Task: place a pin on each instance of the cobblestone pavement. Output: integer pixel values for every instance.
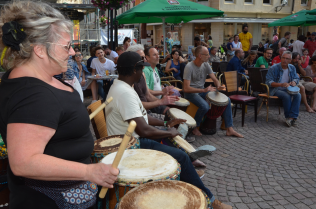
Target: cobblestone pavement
(273, 167)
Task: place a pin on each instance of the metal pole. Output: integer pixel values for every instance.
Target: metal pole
(108, 27)
(164, 37)
(115, 32)
(112, 38)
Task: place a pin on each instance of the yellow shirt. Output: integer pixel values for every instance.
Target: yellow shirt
(245, 40)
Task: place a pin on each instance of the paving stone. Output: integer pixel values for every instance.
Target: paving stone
(273, 167)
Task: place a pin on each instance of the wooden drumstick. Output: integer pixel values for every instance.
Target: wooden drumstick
(100, 108)
(120, 152)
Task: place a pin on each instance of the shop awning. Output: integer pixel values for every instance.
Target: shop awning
(229, 20)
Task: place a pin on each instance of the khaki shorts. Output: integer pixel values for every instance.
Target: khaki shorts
(309, 86)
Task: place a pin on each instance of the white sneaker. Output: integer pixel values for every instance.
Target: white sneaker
(288, 121)
(93, 101)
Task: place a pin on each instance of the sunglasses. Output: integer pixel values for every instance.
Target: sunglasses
(78, 55)
(140, 61)
(66, 47)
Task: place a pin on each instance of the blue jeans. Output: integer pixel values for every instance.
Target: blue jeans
(188, 173)
(101, 89)
(199, 100)
(291, 103)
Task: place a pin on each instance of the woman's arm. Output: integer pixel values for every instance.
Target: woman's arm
(26, 145)
(168, 69)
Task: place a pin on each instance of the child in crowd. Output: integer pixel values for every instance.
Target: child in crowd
(305, 58)
(210, 42)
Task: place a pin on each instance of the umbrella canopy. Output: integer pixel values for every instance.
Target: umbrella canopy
(298, 19)
(174, 11)
(311, 12)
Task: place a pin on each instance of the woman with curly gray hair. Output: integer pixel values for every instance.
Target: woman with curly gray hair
(42, 120)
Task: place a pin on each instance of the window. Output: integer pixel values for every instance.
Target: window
(248, 1)
(229, 1)
(304, 2)
(266, 1)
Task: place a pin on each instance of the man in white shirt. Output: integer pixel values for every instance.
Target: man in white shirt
(126, 106)
(110, 54)
(298, 45)
(100, 66)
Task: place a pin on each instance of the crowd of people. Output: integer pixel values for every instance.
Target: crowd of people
(45, 126)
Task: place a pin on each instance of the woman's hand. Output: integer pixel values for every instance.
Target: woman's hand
(83, 82)
(102, 174)
(175, 69)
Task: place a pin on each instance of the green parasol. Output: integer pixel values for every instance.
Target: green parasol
(170, 11)
(300, 18)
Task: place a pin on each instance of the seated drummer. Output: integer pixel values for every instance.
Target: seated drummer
(149, 101)
(279, 78)
(193, 86)
(126, 106)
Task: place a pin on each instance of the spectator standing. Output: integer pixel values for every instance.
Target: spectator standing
(245, 39)
(291, 42)
(263, 62)
(198, 42)
(110, 54)
(298, 45)
(236, 43)
(210, 42)
(126, 42)
(276, 37)
(260, 50)
(169, 42)
(250, 61)
(305, 59)
(283, 41)
(311, 44)
(230, 52)
(277, 59)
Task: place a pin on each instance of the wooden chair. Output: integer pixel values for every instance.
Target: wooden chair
(266, 98)
(98, 122)
(232, 80)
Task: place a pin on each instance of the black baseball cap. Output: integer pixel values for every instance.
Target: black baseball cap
(130, 59)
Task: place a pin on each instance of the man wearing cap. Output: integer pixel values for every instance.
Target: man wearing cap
(126, 106)
(311, 44)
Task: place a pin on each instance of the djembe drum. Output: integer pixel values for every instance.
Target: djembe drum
(137, 167)
(181, 104)
(218, 103)
(110, 144)
(174, 113)
(165, 195)
(4, 190)
(293, 90)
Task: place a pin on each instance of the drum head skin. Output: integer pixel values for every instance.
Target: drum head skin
(176, 113)
(110, 144)
(182, 102)
(217, 98)
(293, 89)
(184, 144)
(164, 195)
(142, 165)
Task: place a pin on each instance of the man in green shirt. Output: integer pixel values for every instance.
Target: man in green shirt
(263, 61)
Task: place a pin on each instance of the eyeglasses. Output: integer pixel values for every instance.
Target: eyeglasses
(205, 54)
(78, 55)
(66, 47)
